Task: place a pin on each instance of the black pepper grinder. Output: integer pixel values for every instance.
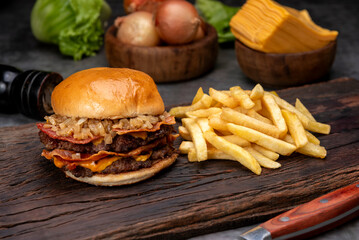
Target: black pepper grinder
(27, 92)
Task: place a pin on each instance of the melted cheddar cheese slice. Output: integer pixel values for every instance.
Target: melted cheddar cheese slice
(100, 165)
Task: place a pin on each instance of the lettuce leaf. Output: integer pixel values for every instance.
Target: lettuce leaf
(75, 25)
(218, 15)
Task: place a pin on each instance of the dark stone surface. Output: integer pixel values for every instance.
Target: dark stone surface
(19, 48)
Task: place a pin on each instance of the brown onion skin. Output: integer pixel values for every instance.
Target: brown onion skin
(141, 5)
(201, 32)
(177, 22)
(137, 29)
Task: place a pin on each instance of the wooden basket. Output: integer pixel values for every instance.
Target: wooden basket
(164, 63)
(283, 70)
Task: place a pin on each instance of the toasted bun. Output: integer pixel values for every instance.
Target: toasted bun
(127, 177)
(107, 93)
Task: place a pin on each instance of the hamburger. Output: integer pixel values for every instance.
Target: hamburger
(109, 127)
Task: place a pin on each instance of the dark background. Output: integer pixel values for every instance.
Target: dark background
(19, 48)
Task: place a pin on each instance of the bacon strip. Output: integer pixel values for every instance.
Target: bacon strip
(67, 154)
(53, 134)
(168, 121)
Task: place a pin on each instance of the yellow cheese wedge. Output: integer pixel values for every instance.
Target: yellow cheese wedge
(267, 26)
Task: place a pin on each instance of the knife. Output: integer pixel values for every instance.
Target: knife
(309, 219)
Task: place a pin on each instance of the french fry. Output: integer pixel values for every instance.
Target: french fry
(310, 149)
(218, 124)
(287, 106)
(232, 116)
(198, 95)
(223, 98)
(307, 123)
(213, 153)
(184, 133)
(216, 115)
(262, 139)
(263, 160)
(296, 128)
(243, 99)
(301, 108)
(266, 152)
(318, 127)
(235, 151)
(257, 105)
(248, 92)
(237, 140)
(217, 104)
(197, 137)
(241, 109)
(275, 113)
(181, 111)
(264, 112)
(259, 117)
(203, 124)
(257, 92)
(252, 127)
(288, 138)
(192, 155)
(274, 93)
(202, 113)
(312, 138)
(185, 146)
(313, 150)
(222, 133)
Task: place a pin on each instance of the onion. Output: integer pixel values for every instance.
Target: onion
(132, 5)
(201, 32)
(141, 5)
(137, 29)
(177, 22)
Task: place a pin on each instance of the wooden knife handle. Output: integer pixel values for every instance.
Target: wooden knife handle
(316, 216)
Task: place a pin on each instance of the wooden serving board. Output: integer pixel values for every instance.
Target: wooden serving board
(188, 199)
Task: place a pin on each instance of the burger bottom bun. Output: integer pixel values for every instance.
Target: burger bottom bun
(125, 178)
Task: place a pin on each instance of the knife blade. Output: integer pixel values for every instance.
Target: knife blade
(312, 218)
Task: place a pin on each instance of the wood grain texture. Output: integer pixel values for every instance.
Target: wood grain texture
(165, 63)
(188, 199)
(291, 69)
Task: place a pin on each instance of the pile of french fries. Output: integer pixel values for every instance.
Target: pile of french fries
(253, 127)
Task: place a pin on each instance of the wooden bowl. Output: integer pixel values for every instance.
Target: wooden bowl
(283, 70)
(164, 63)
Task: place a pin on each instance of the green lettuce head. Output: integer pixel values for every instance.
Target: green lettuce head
(75, 25)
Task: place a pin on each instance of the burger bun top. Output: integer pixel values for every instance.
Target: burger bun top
(112, 93)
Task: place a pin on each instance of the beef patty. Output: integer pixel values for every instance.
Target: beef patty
(127, 164)
(121, 143)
